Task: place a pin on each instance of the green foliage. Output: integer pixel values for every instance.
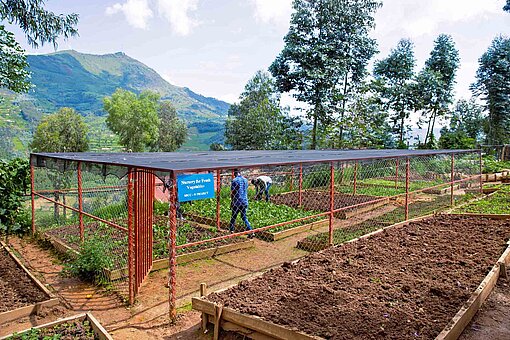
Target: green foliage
(498, 203)
(14, 184)
(491, 166)
(66, 330)
(63, 131)
(172, 131)
(13, 63)
(493, 86)
(133, 118)
(394, 83)
(466, 126)
(507, 6)
(258, 122)
(325, 56)
(216, 147)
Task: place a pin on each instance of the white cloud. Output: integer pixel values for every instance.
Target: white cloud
(177, 12)
(273, 11)
(137, 12)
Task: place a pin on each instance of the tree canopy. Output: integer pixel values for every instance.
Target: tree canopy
(62, 131)
(325, 55)
(40, 26)
(466, 126)
(257, 121)
(493, 87)
(172, 131)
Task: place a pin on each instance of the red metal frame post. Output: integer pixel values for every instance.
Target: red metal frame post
(396, 174)
(32, 196)
(481, 170)
(355, 177)
(218, 197)
(408, 172)
(300, 184)
(80, 203)
(172, 277)
(331, 202)
(452, 179)
(131, 250)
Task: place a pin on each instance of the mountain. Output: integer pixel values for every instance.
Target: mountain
(81, 81)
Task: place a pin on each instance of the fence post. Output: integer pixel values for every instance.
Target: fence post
(218, 194)
(80, 203)
(396, 174)
(32, 195)
(481, 170)
(131, 250)
(452, 179)
(331, 202)
(355, 177)
(408, 172)
(300, 184)
(172, 251)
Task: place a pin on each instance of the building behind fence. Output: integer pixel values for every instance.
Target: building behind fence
(128, 213)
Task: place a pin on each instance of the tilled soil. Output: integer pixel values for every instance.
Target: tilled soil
(319, 200)
(16, 287)
(403, 283)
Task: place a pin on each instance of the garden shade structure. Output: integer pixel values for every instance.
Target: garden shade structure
(112, 195)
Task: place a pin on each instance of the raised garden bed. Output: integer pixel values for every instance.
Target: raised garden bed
(496, 203)
(81, 327)
(441, 191)
(66, 239)
(403, 282)
(22, 293)
(495, 177)
(320, 201)
(260, 214)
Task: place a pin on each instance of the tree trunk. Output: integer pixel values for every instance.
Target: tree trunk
(56, 210)
(433, 123)
(428, 131)
(401, 140)
(314, 131)
(64, 209)
(342, 115)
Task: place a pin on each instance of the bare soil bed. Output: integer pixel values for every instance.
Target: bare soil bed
(402, 283)
(319, 200)
(16, 287)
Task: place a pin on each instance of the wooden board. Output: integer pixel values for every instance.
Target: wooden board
(441, 191)
(99, 331)
(274, 236)
(30, 309)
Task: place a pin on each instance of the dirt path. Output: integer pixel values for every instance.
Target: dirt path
(492, 322)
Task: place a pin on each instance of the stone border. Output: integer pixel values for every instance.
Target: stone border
(30, 309)
(99, 331)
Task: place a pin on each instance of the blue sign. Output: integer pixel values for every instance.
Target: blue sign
(195, 187)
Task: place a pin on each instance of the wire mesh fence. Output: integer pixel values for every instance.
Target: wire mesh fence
(124, 222)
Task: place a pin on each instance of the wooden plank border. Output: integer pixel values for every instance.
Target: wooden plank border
(99, 330)
(275, 236)
(30, 309)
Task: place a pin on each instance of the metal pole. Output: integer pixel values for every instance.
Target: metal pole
(300, 185)
(396, 174)
(452, 179)
(131, 258)
(408, 171)
(218, 197)
(80, 204)
(355, 177)
(32, 196)
(172, 284)
(331, 202)
(480, 173)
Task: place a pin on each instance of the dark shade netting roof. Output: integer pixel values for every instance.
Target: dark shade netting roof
(202, 161)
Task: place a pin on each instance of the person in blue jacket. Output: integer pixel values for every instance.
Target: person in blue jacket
(239, 200)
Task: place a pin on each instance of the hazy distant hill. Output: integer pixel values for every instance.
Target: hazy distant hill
(81, 81)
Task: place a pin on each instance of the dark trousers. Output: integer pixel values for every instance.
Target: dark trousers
(236, 209)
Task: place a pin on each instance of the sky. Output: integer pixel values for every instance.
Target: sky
(215, 46)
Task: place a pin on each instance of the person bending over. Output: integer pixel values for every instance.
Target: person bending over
(262, 185)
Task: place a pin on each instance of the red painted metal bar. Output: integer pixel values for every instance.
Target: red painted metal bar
(218, 198)
(331, 201)
(80, 204)
(227, 236)
(94, 189)
(452, 179)
(355, 177)
(408, 172)
(84, 213)
(32, 196)
(131, 248)
(396, 174)
(172, 251)
(480, 172)
(300, 185)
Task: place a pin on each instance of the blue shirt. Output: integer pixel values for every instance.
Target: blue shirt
(239, 189)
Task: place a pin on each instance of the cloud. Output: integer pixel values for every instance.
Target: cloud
(271, 11)
(177, 13)
(137, 12)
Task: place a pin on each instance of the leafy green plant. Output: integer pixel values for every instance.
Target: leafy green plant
(498, 203)
(491, 166)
